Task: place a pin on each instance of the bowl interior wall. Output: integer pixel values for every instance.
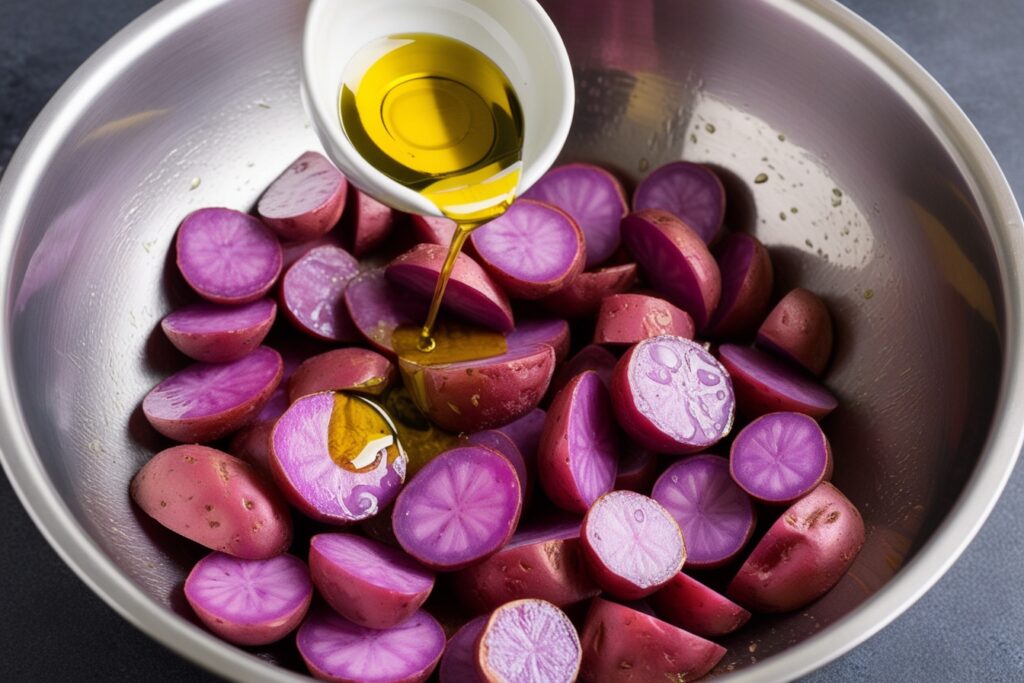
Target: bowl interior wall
(862, 204)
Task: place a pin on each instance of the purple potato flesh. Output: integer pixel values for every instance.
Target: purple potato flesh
(367, 582)
(458, 665)
(747, 279)
(577, 459)
(471, 293)
(336, 458)
(595, 200)
(337, 650)
(672, 396)
(460, 508)
(226, 256)
(675, 261)
(765, 384)
(532, 250)
(632, 544)
(306, 200)
(528, 641)
(249, 602)
(780, 457)
(378, 308)
(207, 401)
(715, 515)
(692, 192)
(214, 333)
(313, 291)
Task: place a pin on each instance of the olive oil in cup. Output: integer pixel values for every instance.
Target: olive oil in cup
(439, 117)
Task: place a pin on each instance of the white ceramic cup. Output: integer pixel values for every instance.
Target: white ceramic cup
(517, 35)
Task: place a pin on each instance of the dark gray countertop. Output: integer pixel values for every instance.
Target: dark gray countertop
(969, 627)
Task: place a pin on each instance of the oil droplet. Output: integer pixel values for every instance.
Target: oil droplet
(761, 178)
(869, 294)
(675, 478)
(196, 182)
(710, 127)
(638, 515)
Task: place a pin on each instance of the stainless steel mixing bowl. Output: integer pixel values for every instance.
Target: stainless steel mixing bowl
(879, 194)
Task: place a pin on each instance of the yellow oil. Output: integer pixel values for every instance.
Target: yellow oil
(442, 119)
(358, 435)
(421, 440)
(455, 343)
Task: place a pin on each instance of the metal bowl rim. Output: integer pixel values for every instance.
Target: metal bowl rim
(951, 126)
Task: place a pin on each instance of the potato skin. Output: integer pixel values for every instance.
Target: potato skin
(252, 444)
(799, 329)
(591, 357)
(680, 241)
(422, 264)
(349, 369)
(738, 317)
(692, 606)
(582, 297)
(372, 223)
(551, 570)
(214, 499)
(630, 318)
(478, 395)
(622, 645)
(803, 555)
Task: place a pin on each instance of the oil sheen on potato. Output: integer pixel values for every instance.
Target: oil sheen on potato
(440, 118)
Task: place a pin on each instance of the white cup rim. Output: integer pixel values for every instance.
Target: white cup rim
(558, 97)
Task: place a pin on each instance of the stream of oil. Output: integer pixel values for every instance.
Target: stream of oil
(439, 117)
